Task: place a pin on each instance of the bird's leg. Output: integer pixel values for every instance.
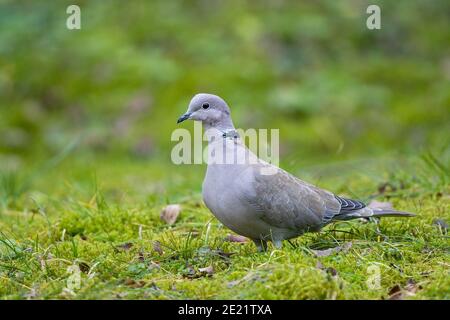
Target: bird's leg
(261, 245)
(277, 243)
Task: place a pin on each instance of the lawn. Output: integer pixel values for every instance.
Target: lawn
(97, 234)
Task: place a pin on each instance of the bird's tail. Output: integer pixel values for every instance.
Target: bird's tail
(372, 212)
(391, 213)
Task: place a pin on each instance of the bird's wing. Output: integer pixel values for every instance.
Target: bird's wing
(287, 202)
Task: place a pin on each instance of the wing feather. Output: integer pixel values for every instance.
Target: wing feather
(285, 201)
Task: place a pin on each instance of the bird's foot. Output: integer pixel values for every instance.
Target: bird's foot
(261, 245)
(277, 243)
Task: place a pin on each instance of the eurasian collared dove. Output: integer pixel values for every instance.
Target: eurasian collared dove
(256, 199)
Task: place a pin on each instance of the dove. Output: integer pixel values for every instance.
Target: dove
(257, 199)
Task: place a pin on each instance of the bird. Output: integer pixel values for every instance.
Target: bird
(257, 199)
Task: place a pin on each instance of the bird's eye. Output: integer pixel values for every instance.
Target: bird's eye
(205, 105)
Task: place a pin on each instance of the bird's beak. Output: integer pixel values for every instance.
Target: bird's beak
(184, 117)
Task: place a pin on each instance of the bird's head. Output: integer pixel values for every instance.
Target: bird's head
(210, 109)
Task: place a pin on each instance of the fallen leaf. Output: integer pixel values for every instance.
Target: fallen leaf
(133, 283)
(154, 266)
(236, 238)
(399, 293)
(441, 224)
(170, 213)
(380, 204)
(84, 267)
(209, 271)
(395, 293)
(157, 247)
(125, 246)
(325, 253)
(329, 270)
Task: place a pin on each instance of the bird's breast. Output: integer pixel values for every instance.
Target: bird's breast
(221, 195)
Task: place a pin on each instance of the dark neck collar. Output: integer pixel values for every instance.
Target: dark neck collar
(231, 133)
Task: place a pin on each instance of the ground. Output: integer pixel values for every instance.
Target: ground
(79, 229)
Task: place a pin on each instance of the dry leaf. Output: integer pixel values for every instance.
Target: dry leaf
(209, 271)
(126, 246)
(329, 270)
(84, 267)
(133, 283)
(325, 253)
(399, 293)
(154, 266)
(395, 293)
(157, 247)
(170, 213)
(236, 238)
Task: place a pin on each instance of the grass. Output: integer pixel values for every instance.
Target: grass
(95, 233)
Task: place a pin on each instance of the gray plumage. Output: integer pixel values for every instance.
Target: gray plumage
(263, 207)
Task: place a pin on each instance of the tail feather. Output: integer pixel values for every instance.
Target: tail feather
(391, 213)
(354, 209)
(370, 212)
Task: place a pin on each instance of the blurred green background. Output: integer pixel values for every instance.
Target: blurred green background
(104, 99)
